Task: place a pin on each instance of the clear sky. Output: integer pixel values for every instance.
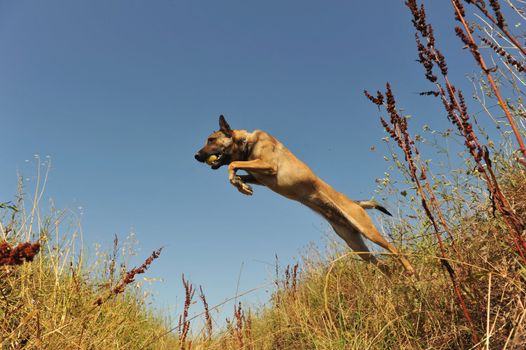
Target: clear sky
(121, 94)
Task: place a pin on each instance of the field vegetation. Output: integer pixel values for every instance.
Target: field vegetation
(461, 222)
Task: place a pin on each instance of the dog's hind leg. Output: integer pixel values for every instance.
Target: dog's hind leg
(362, 223)
(355, 242)
(351, 216)
(350, 220)
(372, 234)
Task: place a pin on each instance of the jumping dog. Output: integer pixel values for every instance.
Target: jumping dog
(269, 163)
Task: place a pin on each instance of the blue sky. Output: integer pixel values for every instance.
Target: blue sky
(121, 94)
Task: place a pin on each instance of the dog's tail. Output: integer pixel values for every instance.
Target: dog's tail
(373, 205)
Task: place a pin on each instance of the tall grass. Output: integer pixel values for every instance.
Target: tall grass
(54, 296)
(332, 300)
(462, 228)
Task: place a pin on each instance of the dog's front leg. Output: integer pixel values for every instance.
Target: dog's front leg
(240, 185)
(250, 179)
(251, 165)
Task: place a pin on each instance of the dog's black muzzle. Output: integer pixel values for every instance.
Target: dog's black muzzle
(221, 158)
(200, 156)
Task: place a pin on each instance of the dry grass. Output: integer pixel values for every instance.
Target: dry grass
(341, 303)
(51, 297)
(466, 240)
(331, 302)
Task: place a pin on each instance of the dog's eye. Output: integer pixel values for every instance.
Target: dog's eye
(210, 141)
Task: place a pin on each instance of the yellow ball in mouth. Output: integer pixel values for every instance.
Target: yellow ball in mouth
(211, 159)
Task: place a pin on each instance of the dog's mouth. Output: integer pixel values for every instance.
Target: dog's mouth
(217, 160)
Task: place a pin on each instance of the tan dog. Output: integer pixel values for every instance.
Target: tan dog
(269, 163)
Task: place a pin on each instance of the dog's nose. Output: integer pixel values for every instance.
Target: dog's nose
(197, 157)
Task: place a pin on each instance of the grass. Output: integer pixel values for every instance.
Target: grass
(335, 301)
(58, 298)
(463, 230)
(330, 300)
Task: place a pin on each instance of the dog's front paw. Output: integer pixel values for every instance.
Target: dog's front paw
(235, 180)
(245, 189)
(241, 186)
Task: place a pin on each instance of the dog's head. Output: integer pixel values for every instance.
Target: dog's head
(220, 144)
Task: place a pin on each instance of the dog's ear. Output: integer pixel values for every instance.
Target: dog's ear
(224, 127)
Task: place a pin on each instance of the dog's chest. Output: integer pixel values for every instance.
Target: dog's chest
(287, 182)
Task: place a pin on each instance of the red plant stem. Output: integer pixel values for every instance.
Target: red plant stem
(427, 210)
(503, 29)
(493, 85)
(492, 183)
(474, 336)
(439, 211)
(490, 179)
(435, 204)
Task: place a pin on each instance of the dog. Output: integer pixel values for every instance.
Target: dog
(269, 163)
